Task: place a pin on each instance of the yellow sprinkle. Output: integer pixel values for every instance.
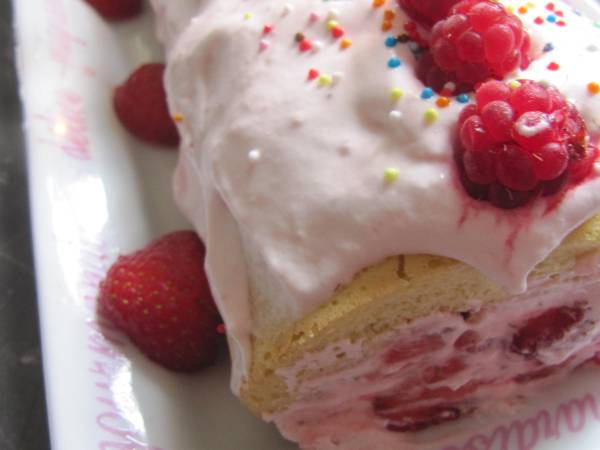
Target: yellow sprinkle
(247, 16)
(178, 117)
(530, 5)
(332, 24)
(378, 3)
(325, 80)
(510, 9)
(391, 174)
(345, 43)
(396, 94)
(514, 84)
(431, 115)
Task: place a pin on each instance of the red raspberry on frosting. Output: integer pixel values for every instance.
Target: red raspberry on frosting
(478, 40)
(427, 12)
(517, 142)
(117, 9)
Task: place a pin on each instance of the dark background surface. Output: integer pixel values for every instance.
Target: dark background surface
(22, 404)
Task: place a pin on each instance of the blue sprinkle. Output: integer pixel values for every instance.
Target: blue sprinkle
(394, 62)
(551, 18)
(391, 41)
(427, 93)
(462, 98)
(548, 47)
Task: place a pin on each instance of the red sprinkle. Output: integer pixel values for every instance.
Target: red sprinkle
(305, 45)
(559, 13)
(221, 328)
(337, 32)
(561, 23)
(550, 6)
(539, 20)
(267, 29)
(553, 66)
(313, 74)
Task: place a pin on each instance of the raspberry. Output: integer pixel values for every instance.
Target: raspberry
(516, 144)
(141, 105)
(159, 296)
(117, 9)
(544, 330)
(514, 168)
(427, 12)
(432, 76)
(479, 40)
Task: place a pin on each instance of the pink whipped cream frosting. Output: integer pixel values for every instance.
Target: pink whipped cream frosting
(287, 175)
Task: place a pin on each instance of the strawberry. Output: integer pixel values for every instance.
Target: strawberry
(420, 418)
(406, 350)
(160, 297)
(117, 9)
(545, 329)
(141, 105)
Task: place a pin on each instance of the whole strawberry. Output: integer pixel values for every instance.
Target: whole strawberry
(117, 9)
(160, 297)
(141, 105)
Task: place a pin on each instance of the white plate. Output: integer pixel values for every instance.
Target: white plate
(96, 192)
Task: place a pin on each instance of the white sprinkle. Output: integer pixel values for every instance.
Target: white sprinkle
(318, 45)
(592, 48)
(395, 114)
(544, 83)
(413, 46)
(337, 77)
(254, 155)
(333, 13)
(450, 86)
(527, 130)
(288, 8)
(264, 44)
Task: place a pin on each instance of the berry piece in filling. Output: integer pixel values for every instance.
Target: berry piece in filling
(517, 143)
(542, 331)
(117, 9)
(141, 105)
(159, 296)
(420, 418)
(427, 12)
(479, 40)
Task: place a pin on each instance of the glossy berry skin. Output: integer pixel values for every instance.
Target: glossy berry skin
(160, 297)
(479, 40)
(427, 12)
(141, 106)
(429, 73)
(515, 144)
(117, 9)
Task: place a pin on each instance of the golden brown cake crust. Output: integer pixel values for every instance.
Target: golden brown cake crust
(380, 298)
